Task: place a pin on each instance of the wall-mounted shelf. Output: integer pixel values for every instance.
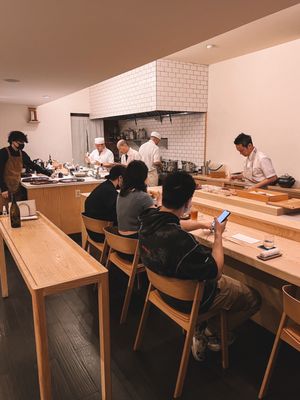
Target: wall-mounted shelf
(163, 143)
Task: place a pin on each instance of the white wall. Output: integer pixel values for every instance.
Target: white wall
(258, 94)
(53, 134)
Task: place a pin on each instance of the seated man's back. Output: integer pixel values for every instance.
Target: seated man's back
(101, 203)
(169, 250)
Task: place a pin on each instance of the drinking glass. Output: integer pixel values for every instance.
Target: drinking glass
(268, 241)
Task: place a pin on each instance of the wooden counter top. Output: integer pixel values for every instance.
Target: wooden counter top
(292, 192)
(285, 226)
(220, 181)
(286, 267)
(87, 181)
(239, 201)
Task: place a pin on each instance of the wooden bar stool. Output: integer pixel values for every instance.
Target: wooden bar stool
(188, 290)
(132, 267)
(289, 330)
(97, 226)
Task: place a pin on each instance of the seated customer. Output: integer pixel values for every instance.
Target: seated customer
(133, 199)
(101, 203)
(168, 250)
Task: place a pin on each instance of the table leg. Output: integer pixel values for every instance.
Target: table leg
(41, 344)
(104, 335)
(3, 274)
(83, 235)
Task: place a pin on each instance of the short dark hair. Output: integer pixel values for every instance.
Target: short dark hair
(115, 172)
(178, 188)
(243, 139)
(17, 136)
(134, 178)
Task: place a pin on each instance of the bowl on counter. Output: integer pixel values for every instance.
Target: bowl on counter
(80, 174)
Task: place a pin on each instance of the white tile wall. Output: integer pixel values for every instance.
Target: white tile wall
(181, 86)
(160, 85)
(186, 135)
(128, 93)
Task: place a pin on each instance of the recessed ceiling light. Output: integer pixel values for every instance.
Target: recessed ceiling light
(11, 80)
(210, 46)
(46, 97)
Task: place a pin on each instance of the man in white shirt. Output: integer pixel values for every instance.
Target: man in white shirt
(258, 169)
(150, 154)
(101, 155)
(127, 153)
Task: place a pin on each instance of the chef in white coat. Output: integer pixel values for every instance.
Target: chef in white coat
(258, 168)
(127, 153)
(101, 156)
(150, 154)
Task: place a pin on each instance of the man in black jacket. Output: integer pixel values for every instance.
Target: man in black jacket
(169, 250)
(101, 203)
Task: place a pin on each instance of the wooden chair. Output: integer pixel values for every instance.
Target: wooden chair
(289, 330)
(97, 226)
(128, 246)
(188, 290)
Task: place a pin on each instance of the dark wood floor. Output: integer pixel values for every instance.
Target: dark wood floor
(146, 375)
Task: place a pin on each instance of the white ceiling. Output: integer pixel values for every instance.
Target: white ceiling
(280, 27)
(57, 47)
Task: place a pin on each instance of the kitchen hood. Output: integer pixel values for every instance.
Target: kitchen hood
(159, 114)
(159, 89)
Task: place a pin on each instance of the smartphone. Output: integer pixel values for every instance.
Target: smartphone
(221, 218)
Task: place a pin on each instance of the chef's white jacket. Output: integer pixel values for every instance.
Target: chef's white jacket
(106, 156)
(131, 155)
(258, 167)
(150, 154)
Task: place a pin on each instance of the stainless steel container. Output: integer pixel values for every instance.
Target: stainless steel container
(188, 166)
(169, 165)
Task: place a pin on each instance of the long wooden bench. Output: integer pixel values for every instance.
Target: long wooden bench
(50, 262)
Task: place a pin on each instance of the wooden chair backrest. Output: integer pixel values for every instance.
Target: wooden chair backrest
(120, 243)
(177, 288)
(291, 302)
(95, 225)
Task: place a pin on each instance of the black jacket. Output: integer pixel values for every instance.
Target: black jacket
(169, 250)
(101, 204)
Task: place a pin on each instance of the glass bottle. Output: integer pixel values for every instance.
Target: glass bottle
(14, 213)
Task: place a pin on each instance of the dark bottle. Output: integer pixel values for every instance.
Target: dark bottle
(50, 160)
(14, 213)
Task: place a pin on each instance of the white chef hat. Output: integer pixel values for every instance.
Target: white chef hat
(156, 134)
(99, 140)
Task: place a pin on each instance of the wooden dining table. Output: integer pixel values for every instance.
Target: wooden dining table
(50, 262)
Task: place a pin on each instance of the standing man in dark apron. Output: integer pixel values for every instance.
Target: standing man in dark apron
(12, 160)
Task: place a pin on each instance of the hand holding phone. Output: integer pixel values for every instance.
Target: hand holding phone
(221, 218)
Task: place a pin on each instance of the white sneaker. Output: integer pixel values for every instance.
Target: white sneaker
(214, 342)
(199, 345)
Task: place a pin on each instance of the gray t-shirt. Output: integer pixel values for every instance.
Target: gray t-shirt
(130, 207)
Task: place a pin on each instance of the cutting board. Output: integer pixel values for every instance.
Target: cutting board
(290, 204)
(263, 195)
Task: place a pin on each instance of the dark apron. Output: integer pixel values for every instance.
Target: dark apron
(12, 176)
